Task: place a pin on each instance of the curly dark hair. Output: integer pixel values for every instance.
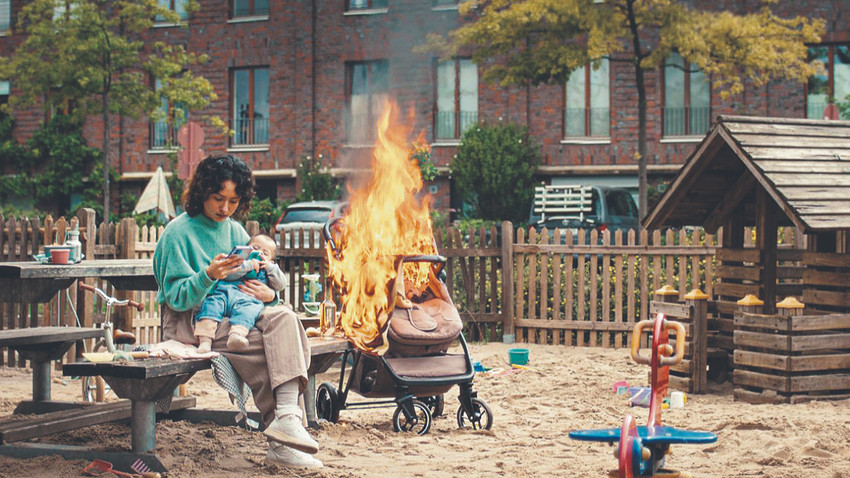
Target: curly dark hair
(210, 173)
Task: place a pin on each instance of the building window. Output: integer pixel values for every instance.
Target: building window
(443, 3)
(587, 95)
(250, 107)
(832, 83)
(5, 88)
(367, 84)
(176, 6)
(457, 97)
(355, 5)
(687, 98)
(169, 119)
(250, 8)
(5, 16)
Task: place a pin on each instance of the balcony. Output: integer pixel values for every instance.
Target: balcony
(163, 135)
(687, 121)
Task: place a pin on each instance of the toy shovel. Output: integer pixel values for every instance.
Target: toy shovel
(99, 467)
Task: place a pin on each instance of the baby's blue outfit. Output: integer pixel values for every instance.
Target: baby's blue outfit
(227, 300)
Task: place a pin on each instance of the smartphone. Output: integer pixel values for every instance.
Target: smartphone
(241, 251)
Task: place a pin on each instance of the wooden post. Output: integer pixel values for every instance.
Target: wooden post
(790, 307)
(508, 334)
(766, 212)
(698, 301)
(750, 304)
(129, 233)
(252, 228)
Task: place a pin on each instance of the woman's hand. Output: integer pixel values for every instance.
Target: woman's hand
(257, 289)
(223, 265)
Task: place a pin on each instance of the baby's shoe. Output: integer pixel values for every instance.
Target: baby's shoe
(237, 339)
(205, 345)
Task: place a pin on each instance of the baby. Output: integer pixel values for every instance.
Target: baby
(227, 300)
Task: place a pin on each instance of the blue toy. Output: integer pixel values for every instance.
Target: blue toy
(642, 449)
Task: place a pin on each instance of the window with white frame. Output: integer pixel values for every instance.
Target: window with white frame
(687, 98)
(587, 101)
(457, 97)
(5, 16)
(250, 106)
(249, 8)
(367, 86)
(164, 125)
(176, 6)
(831, 83)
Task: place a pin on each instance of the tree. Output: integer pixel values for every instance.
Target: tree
(543, 41)
(494, 170)
(88, 57)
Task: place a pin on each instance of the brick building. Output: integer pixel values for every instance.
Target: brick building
(301, 78)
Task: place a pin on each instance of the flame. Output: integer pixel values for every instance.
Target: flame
(384, 222)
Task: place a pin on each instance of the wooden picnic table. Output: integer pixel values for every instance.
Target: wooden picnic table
(36, 282)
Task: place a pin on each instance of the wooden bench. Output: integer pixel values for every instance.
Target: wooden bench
(42, 345)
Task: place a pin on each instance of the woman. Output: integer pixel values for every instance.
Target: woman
(190, 257)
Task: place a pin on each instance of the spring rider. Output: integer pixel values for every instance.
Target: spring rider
(642, 449)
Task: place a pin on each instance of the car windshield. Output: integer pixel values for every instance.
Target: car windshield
(306, 215)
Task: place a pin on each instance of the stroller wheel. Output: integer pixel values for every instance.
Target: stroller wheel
(327, 403)
(436, 403)
(480, 419)
(420, 423)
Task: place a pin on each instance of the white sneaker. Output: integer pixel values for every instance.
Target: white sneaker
(288, 430)
(284, 456)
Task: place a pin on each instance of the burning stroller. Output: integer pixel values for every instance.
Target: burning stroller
(394, 306)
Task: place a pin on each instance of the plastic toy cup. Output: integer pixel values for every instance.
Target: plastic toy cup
(60, 255)
(518, 356)
(677, 400)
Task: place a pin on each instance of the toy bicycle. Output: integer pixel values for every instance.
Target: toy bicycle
(643, 449)
(94, 388)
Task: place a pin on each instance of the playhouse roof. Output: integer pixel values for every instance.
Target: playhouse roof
(803, 165)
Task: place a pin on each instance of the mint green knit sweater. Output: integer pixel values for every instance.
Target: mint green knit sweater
(184, 251)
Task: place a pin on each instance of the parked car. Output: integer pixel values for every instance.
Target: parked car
(583, 207)
(308, 216)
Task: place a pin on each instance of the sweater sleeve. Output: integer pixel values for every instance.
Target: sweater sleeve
(276, 278)
(181, 286)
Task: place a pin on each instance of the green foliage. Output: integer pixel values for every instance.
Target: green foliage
(86, 57)
(422, 155)
(317, 183)
(14, 158)
(494, 168)
(266, 212)
(61, 159)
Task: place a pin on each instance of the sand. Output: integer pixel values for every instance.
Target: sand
(568, 389)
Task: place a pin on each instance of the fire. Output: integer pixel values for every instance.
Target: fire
(384, 222)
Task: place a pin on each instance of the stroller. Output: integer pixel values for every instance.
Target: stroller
(416, 370)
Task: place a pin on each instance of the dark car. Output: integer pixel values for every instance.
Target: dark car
(583, 207)
(309, 216)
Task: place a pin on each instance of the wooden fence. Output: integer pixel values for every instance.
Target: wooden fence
(548, 287)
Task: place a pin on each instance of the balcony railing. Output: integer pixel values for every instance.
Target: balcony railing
(246, 10)
(163, 135)
(446, 123)
(686, 121)
(250, 131)
(574, 122)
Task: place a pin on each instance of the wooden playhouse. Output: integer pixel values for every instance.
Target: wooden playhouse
(758, 179)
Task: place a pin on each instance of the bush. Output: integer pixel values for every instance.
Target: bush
(266, 212)
(494, 170)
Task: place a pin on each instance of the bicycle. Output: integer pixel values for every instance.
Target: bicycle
(110, 339)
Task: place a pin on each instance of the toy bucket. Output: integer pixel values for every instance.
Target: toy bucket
(518, 356)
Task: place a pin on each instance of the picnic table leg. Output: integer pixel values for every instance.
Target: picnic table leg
(310, 401)
(40, 381)
(143, 425)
